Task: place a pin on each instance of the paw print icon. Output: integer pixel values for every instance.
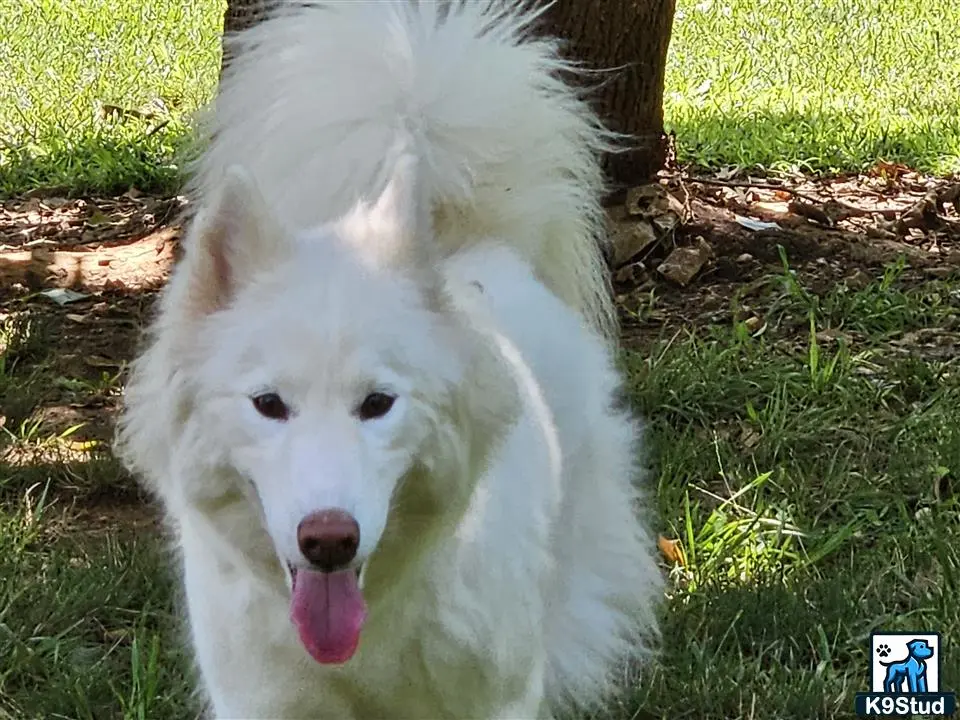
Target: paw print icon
(883, 650)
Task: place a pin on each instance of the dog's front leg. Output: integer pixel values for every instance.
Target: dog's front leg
(911, 672)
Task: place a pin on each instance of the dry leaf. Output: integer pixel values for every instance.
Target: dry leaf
(630, 239)
(749, 437)
(682, 265)
(753, 323)
(97, 218)
(777, 208)
(672, 550)
(640, 200)
(629, 274)
(63, 296)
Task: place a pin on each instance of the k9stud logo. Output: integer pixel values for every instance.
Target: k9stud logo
(905, 677)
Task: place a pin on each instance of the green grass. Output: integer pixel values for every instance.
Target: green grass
(818, 86)
(815, 85)
(86, 629)
(809, 471)
(71, 72)
(813, 489)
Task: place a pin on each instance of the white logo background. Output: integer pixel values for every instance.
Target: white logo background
(898, 651)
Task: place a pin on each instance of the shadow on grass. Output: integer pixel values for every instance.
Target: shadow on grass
(57, 422)
(88, 619)
(67, 480)
(89, 623)
(816, 142)
(796, 650)
(784, 652)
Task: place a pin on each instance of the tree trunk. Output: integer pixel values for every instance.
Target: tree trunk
(631, 36)
(240, 15)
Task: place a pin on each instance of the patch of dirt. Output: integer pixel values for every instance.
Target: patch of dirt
(692, 242)
(107, 515)
(704, 239)
(139, 264)
(58, 223)
(113, 254)
(87, 345)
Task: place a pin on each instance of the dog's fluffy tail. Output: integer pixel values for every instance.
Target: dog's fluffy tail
(319, 94)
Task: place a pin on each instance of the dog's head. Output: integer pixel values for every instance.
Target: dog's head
(920, 649)
(323, 378)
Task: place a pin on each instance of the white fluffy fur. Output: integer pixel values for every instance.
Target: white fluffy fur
(315, 100)
(408, 179)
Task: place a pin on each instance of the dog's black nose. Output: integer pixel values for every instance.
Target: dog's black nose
(329, 539)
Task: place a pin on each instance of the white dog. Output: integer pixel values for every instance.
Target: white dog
(378, 404)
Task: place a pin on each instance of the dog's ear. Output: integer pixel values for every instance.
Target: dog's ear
(398, 222)
(233, 236)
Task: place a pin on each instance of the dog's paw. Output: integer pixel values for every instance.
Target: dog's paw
(883, 650)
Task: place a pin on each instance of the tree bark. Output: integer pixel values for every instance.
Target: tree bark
(628, 36)
(631, 36)
(240, 15)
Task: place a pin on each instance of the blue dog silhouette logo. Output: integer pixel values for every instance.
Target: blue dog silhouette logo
(905, 677)
(909, 674)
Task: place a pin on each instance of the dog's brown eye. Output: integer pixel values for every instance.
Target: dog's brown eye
(271, 406)
(375, 405)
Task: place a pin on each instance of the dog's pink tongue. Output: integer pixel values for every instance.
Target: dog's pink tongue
(328, 611)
